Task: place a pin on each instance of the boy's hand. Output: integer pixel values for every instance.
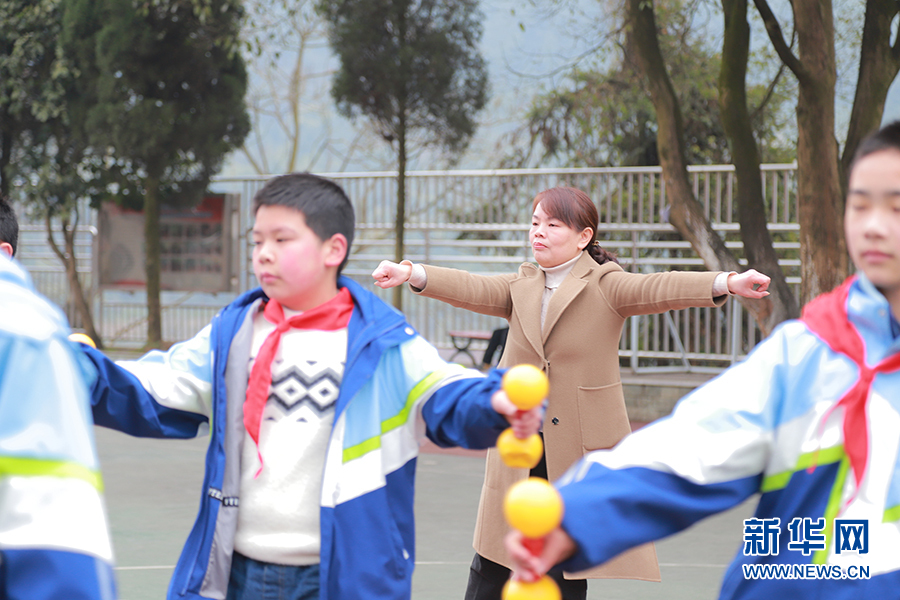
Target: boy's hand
(524, 423)
(389, 274)
(749, 284)
(558, 546)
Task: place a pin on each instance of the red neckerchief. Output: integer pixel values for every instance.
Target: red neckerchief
(826, 316)
(328, 316)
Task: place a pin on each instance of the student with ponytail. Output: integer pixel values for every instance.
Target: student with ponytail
(565, 316)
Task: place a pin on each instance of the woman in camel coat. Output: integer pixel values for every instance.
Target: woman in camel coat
(565, 316)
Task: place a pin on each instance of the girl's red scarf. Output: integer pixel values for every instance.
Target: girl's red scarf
(826, 316)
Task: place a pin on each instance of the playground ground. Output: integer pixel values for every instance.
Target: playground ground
(153, 490)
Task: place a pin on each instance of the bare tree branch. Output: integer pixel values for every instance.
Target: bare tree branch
(773, 28)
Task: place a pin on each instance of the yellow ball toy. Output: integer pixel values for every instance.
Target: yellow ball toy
(542, 589)
(534, 507)
(520, 453)
(526, 386)
(84, 339)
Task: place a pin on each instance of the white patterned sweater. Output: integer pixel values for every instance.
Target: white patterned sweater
(278, 519)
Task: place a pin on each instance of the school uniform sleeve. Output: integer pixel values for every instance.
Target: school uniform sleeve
(162, 394)
(455, 403)
(54, 535)
(709, 455)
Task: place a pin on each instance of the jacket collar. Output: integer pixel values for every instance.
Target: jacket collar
(568, 290)
(527, 293)
(366, 304)
(13, 272)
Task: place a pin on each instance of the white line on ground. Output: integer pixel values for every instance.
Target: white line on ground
(703, 565)
(440, 562)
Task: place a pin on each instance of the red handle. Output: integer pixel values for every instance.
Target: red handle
(535, 546)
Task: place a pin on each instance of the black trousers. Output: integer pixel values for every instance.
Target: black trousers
(496, 343)
(487, 578)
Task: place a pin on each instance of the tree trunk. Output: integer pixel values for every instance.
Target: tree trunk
(686, 215)
(400, 217)
(151, 261)
(400, 121)
(879, 63)
(736, 122)
(823, 251)
(70, 263)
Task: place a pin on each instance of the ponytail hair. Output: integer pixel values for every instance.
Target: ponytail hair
(576, 209)
(600, 254)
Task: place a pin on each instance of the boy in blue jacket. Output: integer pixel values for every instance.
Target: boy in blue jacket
(54, 535)
(810, 421)
(316, 395)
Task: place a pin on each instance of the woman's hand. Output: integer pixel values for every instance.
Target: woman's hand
(749, 284)
(558, 546)
(389, 274)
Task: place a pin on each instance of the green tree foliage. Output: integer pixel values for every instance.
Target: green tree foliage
(161, 85)
(823, 256)
(30, 90)
(603, 116)
(413, 69)
(45, 161)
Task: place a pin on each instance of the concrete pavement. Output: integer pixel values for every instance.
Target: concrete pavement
(153, 490)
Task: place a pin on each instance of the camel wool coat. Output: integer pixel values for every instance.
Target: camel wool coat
(578, 350)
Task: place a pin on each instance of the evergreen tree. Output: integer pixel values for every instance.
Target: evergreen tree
(162, 85)
(411, 67)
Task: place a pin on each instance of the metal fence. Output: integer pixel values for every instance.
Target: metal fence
(478, 221)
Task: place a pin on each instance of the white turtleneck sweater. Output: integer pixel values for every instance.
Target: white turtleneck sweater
(553, 277)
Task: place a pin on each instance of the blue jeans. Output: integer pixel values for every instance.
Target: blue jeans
(255, 580)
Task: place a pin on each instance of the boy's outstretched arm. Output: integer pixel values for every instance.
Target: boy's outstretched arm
(458, 406)
(523, 422)
(708, 456)
(557, 547)
(470, 411)
(162, 394)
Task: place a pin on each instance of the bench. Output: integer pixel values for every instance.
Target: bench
(463, 339)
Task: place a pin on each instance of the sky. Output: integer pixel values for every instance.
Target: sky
(527, 49)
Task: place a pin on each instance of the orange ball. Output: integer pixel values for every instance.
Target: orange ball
(526, 386)
(84, 339)
(518, 453)
(534, 507)
(542, 589)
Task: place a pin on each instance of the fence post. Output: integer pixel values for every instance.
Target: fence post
(736, 317)
(633, 323)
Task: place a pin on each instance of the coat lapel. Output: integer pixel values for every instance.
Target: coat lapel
(526, 294)
(568, 290)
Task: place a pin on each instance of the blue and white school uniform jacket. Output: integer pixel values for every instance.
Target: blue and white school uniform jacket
(761, 427)
(54, 536)
(395, 390)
